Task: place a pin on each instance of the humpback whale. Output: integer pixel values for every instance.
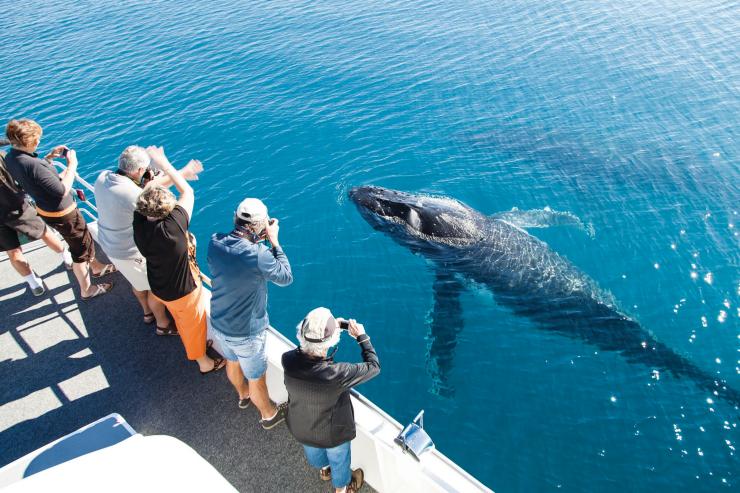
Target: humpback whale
(523, 274)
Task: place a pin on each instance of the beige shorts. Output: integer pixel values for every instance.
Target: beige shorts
(134, 270)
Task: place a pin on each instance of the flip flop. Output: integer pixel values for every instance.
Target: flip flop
(100, 289)
(149, 318)
(107, 269)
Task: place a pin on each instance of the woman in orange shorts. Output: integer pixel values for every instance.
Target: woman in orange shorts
(161, 235)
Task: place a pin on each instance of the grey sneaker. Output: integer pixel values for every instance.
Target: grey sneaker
(38, 290)
(279, 417)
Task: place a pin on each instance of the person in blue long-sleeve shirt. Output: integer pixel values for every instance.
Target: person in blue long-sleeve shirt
(241, 266)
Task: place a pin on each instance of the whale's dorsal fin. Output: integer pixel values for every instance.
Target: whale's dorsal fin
(543, 218)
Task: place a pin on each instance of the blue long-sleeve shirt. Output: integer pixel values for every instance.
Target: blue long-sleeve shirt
(240, 271)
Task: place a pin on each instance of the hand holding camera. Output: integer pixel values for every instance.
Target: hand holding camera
(63, 152)
(352, 327)
(272, 230)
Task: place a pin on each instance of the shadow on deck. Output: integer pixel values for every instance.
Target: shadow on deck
(65, 363)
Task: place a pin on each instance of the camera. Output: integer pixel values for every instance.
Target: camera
(65, 151)
(344, 325)
(149, 175)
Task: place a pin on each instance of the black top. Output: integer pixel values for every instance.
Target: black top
(12, 198)
(320, 412)
(169, 255)
(39, 179)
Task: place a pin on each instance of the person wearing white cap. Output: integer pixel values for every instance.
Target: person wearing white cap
(241, 266)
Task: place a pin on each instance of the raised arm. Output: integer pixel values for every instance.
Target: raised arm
(67, 176)
(186, 200)
(274, 263)
(190, 172)
(356, 373)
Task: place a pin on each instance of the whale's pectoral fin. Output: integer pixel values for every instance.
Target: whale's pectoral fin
(543, 218)
(446, 321)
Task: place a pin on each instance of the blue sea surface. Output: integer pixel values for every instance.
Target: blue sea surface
(625, 114)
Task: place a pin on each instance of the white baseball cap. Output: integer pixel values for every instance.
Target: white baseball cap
(251, 211)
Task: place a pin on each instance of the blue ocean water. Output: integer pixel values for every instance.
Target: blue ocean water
(625, 114)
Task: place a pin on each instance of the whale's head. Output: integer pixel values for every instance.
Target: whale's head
(414, 218)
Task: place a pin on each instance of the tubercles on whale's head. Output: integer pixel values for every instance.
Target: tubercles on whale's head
(423, 217)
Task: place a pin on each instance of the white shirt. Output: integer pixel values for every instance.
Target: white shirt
(115, 196)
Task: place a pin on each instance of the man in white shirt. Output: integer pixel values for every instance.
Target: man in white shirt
(116, 193)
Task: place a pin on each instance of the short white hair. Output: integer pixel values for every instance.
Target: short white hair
(133, 158)
(316, 321)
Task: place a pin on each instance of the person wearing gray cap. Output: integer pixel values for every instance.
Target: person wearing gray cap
(241, 266)
(320, 414)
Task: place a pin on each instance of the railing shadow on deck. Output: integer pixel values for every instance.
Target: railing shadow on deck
(86, 359)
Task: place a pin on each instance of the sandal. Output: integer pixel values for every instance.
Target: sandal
(149, 318)
(100, 289)
(218, 363)
(325, 473)
(170, 330)
(107, 269)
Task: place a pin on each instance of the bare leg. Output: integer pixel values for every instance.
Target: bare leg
(19, 262)
(236, 377)
(158, 309)
(82, 273)
(142, 299)
(260, 397)
(53, 241)
(96, 266)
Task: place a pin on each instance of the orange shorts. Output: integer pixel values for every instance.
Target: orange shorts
(189, 313)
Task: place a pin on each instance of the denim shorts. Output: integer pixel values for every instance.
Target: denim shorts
(248, 351)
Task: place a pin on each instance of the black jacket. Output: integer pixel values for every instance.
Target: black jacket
(320, 412)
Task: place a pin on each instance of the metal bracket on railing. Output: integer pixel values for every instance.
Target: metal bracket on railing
(413, 439)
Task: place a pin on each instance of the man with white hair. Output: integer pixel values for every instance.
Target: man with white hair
(320, 414)
(116, 193)
(241, 266)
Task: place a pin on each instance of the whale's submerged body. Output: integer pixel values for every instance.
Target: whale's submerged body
(523, 274)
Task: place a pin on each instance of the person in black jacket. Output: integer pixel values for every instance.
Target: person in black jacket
(320, 414)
